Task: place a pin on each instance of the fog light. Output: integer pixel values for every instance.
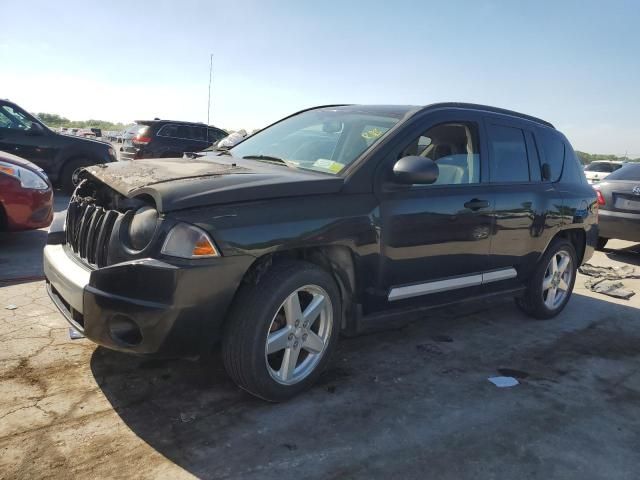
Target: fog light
(124, 331)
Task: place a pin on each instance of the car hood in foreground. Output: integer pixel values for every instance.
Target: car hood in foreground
(178, 183)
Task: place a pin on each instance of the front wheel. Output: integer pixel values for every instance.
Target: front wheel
(70, 171)
(280, 333)
(551, 284)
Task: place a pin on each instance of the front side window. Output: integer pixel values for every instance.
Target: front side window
(508, 153)
(215, 134)
(454, 148)
(13, 119)
(326, 140)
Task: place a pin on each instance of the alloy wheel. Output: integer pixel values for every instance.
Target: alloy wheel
(557, 279)
(298, 334)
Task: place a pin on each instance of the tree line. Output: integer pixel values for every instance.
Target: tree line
(56, 121)
(587, 158)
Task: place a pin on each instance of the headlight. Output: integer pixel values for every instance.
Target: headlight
(189, 241)
(142, 227)
(28, 179)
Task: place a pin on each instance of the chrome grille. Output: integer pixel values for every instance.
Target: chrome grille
(89, 229)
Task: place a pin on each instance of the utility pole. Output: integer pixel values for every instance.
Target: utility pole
(209, 100)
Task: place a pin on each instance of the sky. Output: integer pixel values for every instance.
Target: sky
(573, 63)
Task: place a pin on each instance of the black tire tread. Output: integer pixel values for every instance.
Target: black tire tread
(531, 302)
(249, 304)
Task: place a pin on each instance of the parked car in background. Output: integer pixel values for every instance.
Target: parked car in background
(127, 136)
(619, 200)
(169, 139)
(327, 221)
(86, 133)
(97, 132)
(60, 156)
(599, 170)
(26, 195)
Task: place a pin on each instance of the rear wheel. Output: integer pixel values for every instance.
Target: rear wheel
(602, 242)
(552, 283)
(281, 332)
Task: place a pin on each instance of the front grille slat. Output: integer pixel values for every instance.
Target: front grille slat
(89, 229)
(94, 225)
(102, 241)
(83, 233)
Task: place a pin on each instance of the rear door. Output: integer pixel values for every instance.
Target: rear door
(527, 209)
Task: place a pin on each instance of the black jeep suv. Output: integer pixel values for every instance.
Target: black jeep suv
(325, 222)
(58, 155)
(169, 139)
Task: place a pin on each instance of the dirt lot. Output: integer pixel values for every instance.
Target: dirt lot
(407, 403)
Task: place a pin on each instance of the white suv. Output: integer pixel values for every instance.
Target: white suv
(598, 170)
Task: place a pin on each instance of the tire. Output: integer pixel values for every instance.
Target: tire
(66, 179)
(602, 242)
(259, 312)
(536, 301)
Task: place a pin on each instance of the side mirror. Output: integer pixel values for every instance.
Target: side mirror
(36, 129)
(546, 171)
(415, 170)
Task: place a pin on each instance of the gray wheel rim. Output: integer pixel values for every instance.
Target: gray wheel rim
(557, 280)
(298, 335)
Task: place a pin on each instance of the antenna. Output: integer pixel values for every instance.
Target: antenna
(209, 100)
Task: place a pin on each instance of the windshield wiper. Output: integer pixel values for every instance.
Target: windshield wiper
(267, 158)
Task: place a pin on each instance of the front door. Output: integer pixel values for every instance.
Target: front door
(435, 239)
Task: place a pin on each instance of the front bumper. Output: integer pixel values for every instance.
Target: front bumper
(145, 306)
(620, 225)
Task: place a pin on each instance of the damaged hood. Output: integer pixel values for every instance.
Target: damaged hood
(178, 183)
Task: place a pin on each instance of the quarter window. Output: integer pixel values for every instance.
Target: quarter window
(454, 148)
(509, 162)
(553, 153)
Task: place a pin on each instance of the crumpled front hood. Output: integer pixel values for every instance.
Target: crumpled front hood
(178, 183)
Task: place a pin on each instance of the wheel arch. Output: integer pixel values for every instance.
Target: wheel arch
(578, 238)
(337, 260)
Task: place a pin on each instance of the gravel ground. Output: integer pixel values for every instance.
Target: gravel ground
(408, 403)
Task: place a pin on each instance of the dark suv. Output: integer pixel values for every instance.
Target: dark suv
(330, 220)
(58, 155)
(169, 138)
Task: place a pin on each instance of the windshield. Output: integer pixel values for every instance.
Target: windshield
(324, 140)
(629, 172)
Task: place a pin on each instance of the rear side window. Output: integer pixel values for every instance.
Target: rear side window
(508, 150)
(553, 148)
(169, 130)
(599, 167)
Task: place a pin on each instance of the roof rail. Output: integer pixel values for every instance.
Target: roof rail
(474, 106)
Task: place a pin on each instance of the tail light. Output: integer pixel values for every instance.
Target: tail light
(600, 198)
(141, 140)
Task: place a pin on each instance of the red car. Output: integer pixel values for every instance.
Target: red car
(26, 195)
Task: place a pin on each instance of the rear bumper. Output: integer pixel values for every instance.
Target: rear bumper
(145, 306)
(620, 225)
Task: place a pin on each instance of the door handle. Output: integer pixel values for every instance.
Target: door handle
(476, 204)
